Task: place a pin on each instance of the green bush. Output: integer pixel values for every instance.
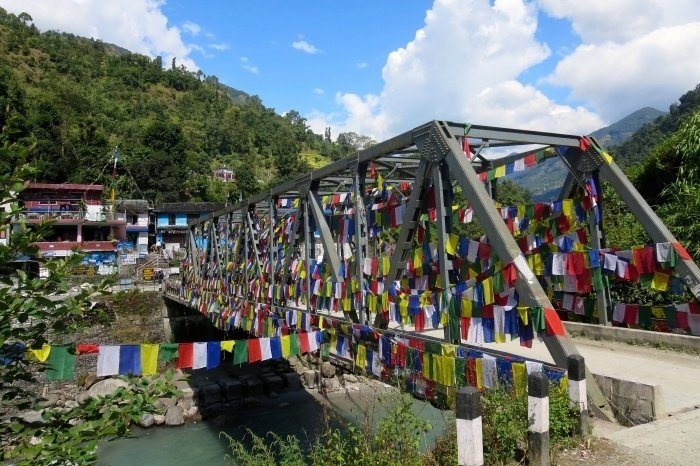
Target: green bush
(396, 439)
(71, 436)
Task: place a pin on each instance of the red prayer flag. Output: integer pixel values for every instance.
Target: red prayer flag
(185, 356)
(304, 343)
(530, 160)
(631, 311)
(682, 253)
(465, 147)
(87, 348)
(584, 143)
(553, 323)
(254, 351)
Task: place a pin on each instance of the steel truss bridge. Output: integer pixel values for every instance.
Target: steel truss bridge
(341, 240)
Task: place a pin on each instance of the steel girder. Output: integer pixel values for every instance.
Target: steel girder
(428, 156)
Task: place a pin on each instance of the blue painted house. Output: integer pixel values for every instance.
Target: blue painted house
(172, 219)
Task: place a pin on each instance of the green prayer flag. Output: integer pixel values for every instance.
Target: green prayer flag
(433, 347)
(644, 313)
(589, 306)
(61, 364)
(454, 328)
(168, 352)
(597, 277)
(461, 372)
(537, 318)
(670, 312)
(497, 282)
(240, 352)
(325, 351)
(294, 344)
(646, 279)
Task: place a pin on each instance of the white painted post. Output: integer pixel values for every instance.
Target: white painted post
(470, 442)
(538, 416)
(577, 389)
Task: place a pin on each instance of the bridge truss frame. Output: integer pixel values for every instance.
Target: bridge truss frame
(433, 154)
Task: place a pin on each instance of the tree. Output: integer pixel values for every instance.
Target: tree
(31, 309)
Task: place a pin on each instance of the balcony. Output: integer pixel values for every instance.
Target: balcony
(72, 217)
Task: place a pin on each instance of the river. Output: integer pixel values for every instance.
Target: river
(298, 413)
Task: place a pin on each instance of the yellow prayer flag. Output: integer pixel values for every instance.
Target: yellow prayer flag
(42, 354)
(608, 158)
(286, 345)
(523, 311)
(488, 291)
(567, 207)
(227, 345)
(417, 258)
(499, 172)
(451, 245)
(403, 308)
(466, 308)
(386, 265)
(427, 357)
(519, 378)
(361, 357)
(448, 349)
(660, 281)
(149, 358)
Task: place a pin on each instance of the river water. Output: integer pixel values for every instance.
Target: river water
(298, 413)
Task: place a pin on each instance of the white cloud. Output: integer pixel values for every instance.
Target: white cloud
(305, 47)
(220, 46)
(137, 25)
(473, 81)
(362, 65)
(653, 70)
(635, 53)
(201, 50)
(600, 21)
(191, 28)
(247, 66)
(318, 91)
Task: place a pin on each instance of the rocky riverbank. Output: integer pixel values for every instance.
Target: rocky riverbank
(203, 394)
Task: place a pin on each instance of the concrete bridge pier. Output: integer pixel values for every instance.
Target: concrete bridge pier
(182, 323)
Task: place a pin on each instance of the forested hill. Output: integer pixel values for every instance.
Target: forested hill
(70, 101)
(637, 148)
(622, 130)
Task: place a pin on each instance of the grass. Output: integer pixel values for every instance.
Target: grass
(314, 159)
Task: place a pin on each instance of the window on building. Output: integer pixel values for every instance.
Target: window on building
(192, 217)
(171, 219)
(3, 233)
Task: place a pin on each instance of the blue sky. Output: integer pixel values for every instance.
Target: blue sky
(353, 41)
(383, 66)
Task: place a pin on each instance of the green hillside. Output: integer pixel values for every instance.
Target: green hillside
(70, 101)
(620, 131)
(636, 149)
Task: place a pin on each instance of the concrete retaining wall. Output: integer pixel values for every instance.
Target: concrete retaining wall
(600, 332)
(632, 403)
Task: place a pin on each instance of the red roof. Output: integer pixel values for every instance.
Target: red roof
(66, 186)
(68, 245)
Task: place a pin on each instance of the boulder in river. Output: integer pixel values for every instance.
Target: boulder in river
(146, 420)
(174, 416)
